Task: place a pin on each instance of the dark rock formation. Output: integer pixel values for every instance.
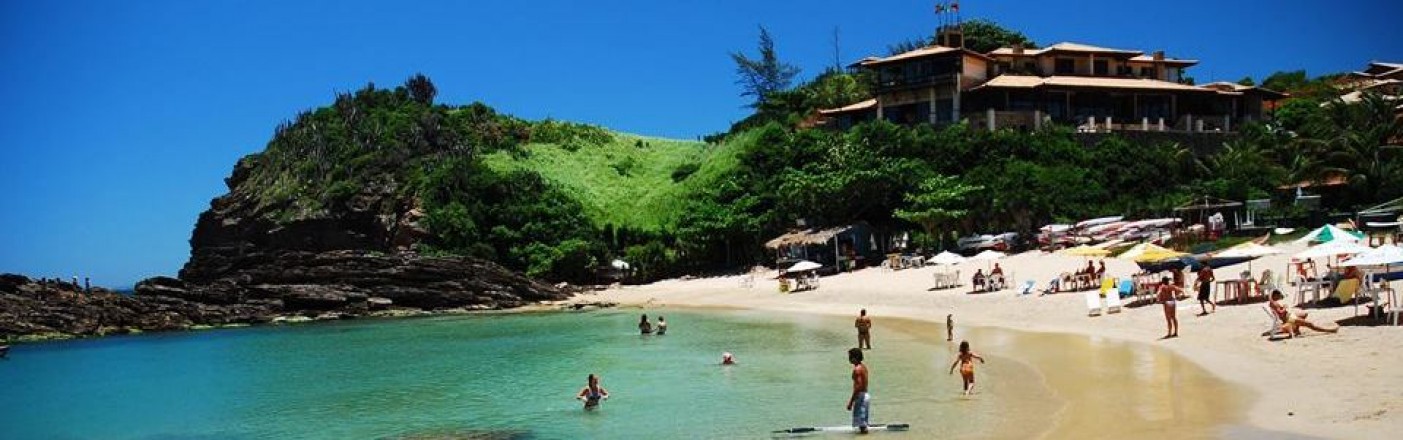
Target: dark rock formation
(250, 263)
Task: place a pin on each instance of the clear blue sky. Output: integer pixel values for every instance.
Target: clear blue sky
(119, 120)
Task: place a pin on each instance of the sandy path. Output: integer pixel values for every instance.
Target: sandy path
(1338, 386)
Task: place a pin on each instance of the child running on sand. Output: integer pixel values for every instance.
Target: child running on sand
(965, 360)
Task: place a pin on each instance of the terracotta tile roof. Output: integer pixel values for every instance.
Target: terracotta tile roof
(1029, 82)
(922, 52)
(1078, 47)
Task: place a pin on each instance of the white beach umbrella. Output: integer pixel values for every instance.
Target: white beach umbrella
(804, 265)
(1247, 250)
(988, 255)
(946, 258)
(1333, 248)
(1385, 255)
(619, 264)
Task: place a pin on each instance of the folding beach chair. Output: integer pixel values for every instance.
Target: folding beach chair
(1027, 288)
(1275, 324)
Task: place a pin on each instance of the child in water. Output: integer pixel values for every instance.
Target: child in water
(965, 360)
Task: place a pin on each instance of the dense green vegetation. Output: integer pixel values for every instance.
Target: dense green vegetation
(555, 199)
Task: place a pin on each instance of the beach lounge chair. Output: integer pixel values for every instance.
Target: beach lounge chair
(1127, 288)
(1093, 303)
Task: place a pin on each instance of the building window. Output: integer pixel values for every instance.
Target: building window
(1030, 67)
(1147, 72)
(1065, 66)
(1101, 68)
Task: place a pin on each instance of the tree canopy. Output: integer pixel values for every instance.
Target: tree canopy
(760, 77)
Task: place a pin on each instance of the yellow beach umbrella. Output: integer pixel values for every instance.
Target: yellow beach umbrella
(1135, 252)
(1158, 255)
(1086, 251)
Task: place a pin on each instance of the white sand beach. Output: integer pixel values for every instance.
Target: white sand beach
(1341, 385)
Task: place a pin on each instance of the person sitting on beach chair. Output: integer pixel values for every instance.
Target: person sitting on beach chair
(978, 280)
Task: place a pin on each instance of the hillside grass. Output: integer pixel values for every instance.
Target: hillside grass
(627, 182)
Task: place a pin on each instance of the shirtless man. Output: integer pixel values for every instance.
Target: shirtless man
(864, 330)
(1205, 290)
(860, 403)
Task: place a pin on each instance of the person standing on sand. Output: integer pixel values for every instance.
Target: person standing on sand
(965, 360)
(592, 394)
(1166, 294)
(864, 330)
(860, 403)
(1205, 289)
(949, 327)
(644, 326)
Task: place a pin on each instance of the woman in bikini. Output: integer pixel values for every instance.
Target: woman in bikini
(965, 360)
(1291, 322)
(592, 394)
(1166, 294)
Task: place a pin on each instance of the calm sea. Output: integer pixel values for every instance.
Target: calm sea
(494, 376)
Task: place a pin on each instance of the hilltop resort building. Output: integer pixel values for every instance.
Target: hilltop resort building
(1095, 89)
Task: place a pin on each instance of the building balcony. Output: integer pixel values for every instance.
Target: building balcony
(894, 83)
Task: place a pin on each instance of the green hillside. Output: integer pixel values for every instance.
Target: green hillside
(627, 181)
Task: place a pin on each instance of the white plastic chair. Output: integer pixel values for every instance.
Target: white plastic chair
(1093, 303)
(1112, 301)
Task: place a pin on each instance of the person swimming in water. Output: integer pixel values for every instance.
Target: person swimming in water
(644, 326)
(965, 360)
(662, 326)
(727, 359)
(592, 394)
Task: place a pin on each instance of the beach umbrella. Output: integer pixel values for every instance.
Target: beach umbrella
(1135, 251)
(1385, 255)
(1330, 233)
(803, 266)
(1247, 250)
(1331, 249)
(619, 264)
(1085, 251)
(946, 258)
(988, 255)
(1161, 254)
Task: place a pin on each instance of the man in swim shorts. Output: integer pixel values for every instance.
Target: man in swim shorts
(860, 403)
(864, 330)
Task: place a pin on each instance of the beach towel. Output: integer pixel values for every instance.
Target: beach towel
(1346, 289)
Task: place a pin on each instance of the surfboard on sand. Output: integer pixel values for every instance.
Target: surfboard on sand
(845, 429)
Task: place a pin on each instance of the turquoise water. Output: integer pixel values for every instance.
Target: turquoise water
(509, 374)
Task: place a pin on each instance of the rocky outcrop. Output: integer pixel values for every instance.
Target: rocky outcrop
(251, 263)
(50, 308)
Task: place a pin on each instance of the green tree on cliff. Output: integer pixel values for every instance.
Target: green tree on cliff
(763, 76)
